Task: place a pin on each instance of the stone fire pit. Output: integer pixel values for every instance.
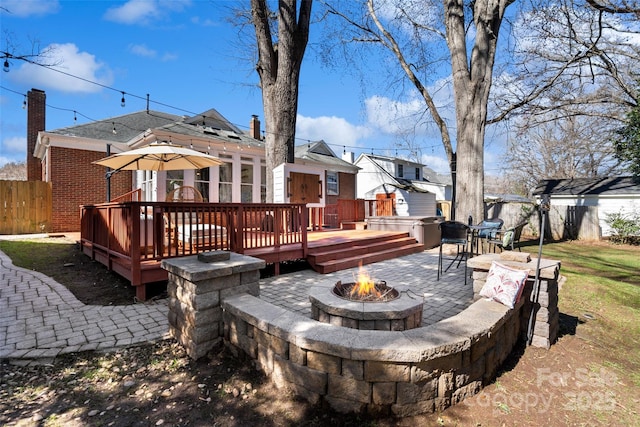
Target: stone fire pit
(400, 314)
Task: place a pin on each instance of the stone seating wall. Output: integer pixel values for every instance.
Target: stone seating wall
(403, 373)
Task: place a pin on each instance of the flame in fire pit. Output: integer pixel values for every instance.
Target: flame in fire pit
(364, 286)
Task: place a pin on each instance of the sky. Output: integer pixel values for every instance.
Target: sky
(185, 54)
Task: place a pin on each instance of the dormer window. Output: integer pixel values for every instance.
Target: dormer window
(401, 171)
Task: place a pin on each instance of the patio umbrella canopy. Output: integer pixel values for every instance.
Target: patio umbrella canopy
(159, 156)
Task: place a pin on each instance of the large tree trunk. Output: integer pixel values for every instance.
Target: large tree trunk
(471, 85)
(279, 63)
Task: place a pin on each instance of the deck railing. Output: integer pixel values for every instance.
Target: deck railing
(133, 233)
(332, 216)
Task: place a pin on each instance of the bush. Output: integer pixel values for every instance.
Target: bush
(624, 228)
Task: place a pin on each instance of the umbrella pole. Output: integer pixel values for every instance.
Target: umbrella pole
(544, 208)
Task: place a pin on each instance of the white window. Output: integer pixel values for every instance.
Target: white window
(263, 183)
(246, 180)
(147, 185)
(400, 171)
(201, 183)
(417, 173)
(225, 186)
(332, 184)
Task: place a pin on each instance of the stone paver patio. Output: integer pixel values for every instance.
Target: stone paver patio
(41, 319)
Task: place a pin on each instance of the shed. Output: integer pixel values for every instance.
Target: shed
(409, 200)
(580, 206)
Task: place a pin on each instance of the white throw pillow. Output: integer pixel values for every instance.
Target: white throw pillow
(504, 284)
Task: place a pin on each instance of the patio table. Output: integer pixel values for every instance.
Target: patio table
(475, 231)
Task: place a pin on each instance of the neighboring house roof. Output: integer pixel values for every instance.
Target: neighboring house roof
(406, 185)
(375, 157)
(619, 185)
(506, 198)
(401, 183)
(127, 126)
(434, 177)
(320, 152)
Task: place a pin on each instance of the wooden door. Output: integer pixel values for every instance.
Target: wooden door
(304, 188)
(385, 204)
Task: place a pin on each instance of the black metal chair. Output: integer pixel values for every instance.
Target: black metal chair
(454, 233)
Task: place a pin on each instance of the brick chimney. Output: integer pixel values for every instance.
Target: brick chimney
(36, 104)
(254, 128)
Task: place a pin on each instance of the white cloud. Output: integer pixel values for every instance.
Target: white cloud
(438, 164)
(69, 61)
(204, 22)
(14, 144)
(133, 12)
(168, 56)
(333, 130)
(23, 9)
(146, 52)
(142, 50)
(410, 116)
(13, 149)
(144, 11)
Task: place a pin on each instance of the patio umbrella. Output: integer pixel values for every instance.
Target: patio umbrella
(157, 156)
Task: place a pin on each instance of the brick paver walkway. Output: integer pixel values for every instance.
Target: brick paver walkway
(40, 318)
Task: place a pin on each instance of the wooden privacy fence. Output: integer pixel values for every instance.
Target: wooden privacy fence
(25, 207)
(564, 222)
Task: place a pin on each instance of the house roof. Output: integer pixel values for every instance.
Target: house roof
(320, 152)
(588, 186)
(197, 131)
(212, 119)
(434, 177)
(375, 157)
(127, 126)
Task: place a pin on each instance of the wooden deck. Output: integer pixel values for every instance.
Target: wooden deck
(133, 238)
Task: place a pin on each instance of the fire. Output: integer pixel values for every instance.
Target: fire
(364, 285)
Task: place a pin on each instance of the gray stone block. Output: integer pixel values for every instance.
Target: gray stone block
(383, 371)
(413, 393)
(213, 256)
(349, 388)
(324, 362)
(353, 369)
(311, 379)
(383, 393)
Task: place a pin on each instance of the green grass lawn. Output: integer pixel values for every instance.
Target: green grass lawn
(603, 281)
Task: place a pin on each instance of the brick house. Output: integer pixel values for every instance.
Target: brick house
(66, 155)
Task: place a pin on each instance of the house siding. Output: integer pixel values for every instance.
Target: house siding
(76, 181)
(369, 177)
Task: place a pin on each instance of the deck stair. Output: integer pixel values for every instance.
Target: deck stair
(367, 250)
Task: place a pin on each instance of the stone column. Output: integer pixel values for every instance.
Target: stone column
(197, 285)
(544, 305)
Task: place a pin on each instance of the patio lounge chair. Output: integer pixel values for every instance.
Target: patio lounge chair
(509, 239)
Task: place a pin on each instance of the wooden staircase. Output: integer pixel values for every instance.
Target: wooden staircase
(366, 250)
